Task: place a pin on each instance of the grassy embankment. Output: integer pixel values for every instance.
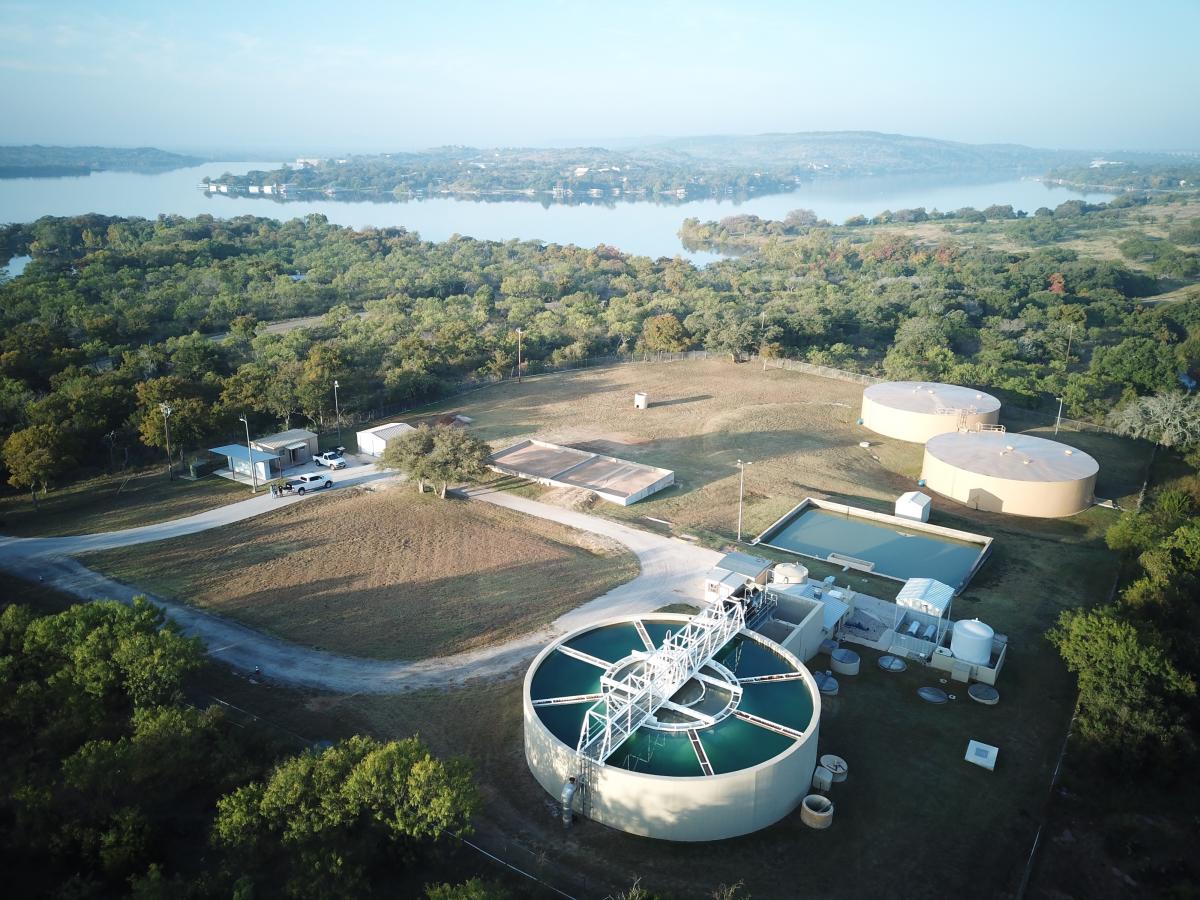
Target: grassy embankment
(113, 502)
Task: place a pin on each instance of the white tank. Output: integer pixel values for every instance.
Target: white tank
(972, 641)
(789, 573)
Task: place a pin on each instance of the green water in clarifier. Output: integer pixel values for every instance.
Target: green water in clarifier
(789, 703)
(609, 642)
(657, 753)
(734, 744)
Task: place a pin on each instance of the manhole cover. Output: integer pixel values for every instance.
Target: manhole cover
(932, 695)
(984, 693)
(891, 663)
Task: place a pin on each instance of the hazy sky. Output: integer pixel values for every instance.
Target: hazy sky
(354, 76)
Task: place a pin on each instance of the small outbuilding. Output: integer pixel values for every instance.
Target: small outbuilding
(922, 616)
(373, 441)
(294, 447)
(913, 505)
(238, 459)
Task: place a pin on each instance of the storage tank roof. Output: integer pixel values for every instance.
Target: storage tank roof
(1016, 457)
(930, 397)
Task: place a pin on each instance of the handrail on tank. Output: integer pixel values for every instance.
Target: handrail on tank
(637, 693)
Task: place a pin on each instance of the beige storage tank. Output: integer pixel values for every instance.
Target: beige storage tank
(917, 410)
(1010, 473)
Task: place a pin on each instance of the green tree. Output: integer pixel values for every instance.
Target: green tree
(1133, 700)
(664, 334)
(410, 453)
(35, 456)
(457, 456)
(321, 820)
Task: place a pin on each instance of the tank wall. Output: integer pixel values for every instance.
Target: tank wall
(1041, 499)
(918, 427)
(676, 809)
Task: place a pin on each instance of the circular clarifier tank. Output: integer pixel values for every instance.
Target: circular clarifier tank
(732, 751)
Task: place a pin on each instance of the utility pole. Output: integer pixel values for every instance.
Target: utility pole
(1058, 418)
(1070, 334)
(166, 413)
(337, 410)
(519, 333)
(741, 494)
(250, 456)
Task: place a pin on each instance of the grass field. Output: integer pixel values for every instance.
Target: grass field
(386, 574)
(112, 502)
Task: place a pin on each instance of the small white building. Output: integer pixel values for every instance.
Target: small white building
(913, 505)
(294, 447)
(373, 441)
(922, 616)
(735, 570)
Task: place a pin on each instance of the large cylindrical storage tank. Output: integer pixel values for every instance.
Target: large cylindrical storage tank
(1010, 473)
(744, 768)
(917, 410)
(972, 641)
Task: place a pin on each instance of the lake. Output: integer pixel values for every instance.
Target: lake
(644, 228)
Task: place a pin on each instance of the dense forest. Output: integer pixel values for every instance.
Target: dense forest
(670, 171)
(1161, 175)
(582, 175)
(114, 784)
(114, 316)
(36, 161)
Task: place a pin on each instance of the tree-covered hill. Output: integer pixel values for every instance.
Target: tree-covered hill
(36, 161)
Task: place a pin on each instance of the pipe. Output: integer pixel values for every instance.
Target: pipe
(570, 787)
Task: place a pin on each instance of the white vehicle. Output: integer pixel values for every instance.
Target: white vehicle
(309, 482)
(332, 458)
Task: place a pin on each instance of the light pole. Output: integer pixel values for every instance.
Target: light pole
(166, 411)
(337, 410)
(1058, 418)
(250, 456)
(519, 333)
(741, 494)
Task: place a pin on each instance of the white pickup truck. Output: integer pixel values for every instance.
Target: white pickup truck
(331, 458)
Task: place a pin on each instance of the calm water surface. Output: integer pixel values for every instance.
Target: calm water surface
(896, 552)
(643, 228)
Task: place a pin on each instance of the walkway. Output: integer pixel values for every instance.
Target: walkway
(672, 572)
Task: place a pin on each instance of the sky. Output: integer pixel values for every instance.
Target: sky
(262, 77)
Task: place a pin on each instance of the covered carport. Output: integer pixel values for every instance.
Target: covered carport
(238, 461)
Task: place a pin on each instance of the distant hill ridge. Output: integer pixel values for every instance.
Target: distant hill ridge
(36, 160)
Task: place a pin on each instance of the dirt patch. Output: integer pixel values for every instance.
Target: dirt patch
(387, 575)
(570, 498)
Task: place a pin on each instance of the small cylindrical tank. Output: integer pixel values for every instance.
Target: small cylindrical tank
(789, 573)
(972, 641)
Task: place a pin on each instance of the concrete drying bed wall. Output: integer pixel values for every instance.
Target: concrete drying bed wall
(615, 480)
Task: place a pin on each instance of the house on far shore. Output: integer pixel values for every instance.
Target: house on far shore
(294, 447)
(373, 441)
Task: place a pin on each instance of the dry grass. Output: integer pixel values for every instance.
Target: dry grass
(111, 502)
(798, 432)
(384, 574)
